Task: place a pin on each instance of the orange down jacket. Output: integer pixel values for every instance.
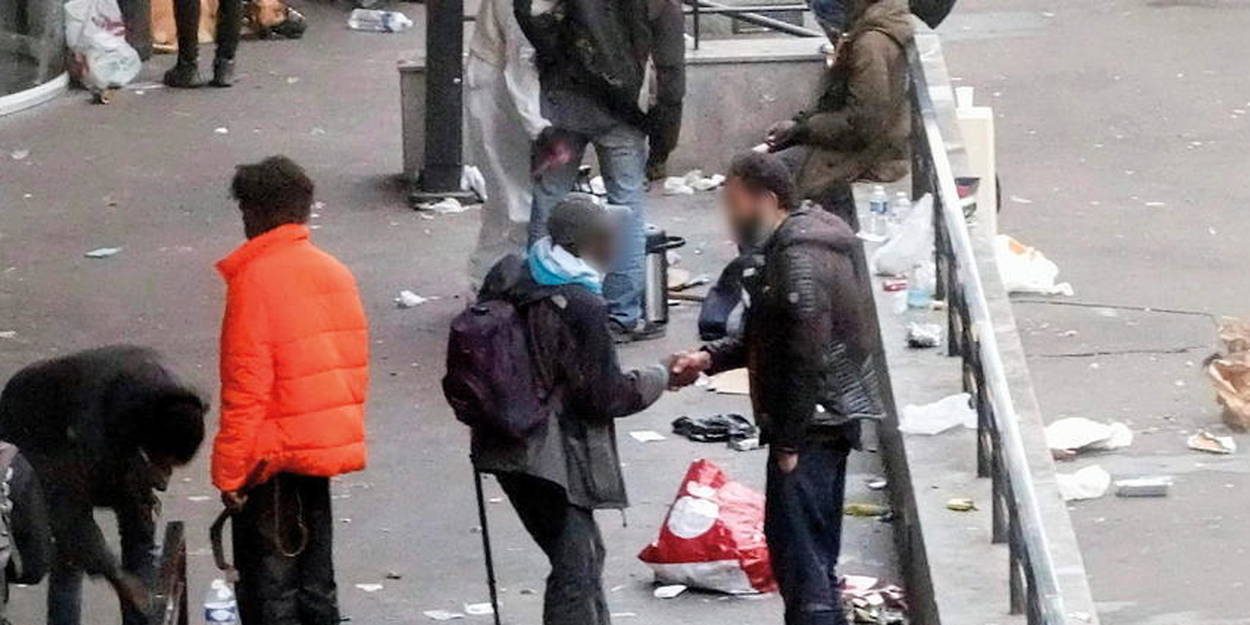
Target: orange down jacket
(294, 363)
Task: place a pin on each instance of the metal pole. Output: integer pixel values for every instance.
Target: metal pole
(757, 19)
(444, 123)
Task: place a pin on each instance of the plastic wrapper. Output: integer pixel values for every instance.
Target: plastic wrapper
(713, 536)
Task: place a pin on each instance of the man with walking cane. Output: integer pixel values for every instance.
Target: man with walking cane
(533, 369)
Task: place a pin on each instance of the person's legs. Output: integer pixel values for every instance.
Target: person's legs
(229, 27)
(318, 594)
(803, 527)
(501, 149)
(64, 592)
(185, 72)
(623, 158)
(268, 585)
(551, 187)
(570, 538)
(839, 199)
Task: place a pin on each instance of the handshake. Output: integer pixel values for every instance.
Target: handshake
(684, 367)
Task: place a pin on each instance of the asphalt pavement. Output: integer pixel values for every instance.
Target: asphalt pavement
(148, 173)
(1121, 146)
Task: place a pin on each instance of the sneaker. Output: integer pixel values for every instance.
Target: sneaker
(184, 76)
(223, 73)
(642, 331)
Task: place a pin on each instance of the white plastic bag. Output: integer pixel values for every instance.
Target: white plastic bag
(912, 244)
(96, 34)
(1026, 269)
(941, 415)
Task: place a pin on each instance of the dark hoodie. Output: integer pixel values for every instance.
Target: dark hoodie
(574, 352)
(808, 341)
(860, 124)
(79, 420)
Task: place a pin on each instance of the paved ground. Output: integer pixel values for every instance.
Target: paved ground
(149, 172)
(1121, 144)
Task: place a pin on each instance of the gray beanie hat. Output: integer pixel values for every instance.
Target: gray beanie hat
(578, 219)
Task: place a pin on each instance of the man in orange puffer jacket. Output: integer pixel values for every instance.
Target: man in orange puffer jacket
(294, 372)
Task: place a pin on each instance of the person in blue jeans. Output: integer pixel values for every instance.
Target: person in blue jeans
(628, 106)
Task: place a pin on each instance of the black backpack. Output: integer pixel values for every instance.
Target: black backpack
(493, 381)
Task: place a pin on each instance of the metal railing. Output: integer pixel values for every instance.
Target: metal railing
(1017, 517)
(753, 15)
(169, 597)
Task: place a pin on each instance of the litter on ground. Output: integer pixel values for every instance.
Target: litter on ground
(646, 436)
(103, 252)
(940, 416)
(1143, 486)
(669, 592)
(1212, 444)
(961, 504)
(369, 587)
(478, 609)
(1088, 483)
(1025, 269)
(1070, 436)
(408, 299)
(442, 615)
(445, 206)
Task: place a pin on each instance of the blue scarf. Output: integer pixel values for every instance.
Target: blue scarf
(552, 265)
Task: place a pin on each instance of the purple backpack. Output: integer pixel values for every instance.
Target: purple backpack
(493, 382)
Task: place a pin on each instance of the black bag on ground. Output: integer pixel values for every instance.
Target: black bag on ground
(492, 381)
(718, 428)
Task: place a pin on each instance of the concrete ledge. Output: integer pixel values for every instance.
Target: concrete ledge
(955, 575)
(735, 89)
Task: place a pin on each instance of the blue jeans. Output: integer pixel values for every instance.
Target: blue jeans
(622, 151)
(803, 528)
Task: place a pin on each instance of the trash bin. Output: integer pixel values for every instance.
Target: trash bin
(32, 64)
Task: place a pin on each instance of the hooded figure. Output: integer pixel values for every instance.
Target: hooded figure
(569, 466)
(102, 428)
(860, 123)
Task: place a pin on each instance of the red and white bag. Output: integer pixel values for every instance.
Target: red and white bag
(713, 536)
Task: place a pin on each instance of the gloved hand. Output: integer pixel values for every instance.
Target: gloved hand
(552, 148)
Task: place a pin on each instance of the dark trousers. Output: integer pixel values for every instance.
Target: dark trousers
(283, 548)
(803, 527)
(570, 538)
(138, 531)
(187, 21)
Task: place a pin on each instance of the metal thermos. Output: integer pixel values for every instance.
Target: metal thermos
(655, 294)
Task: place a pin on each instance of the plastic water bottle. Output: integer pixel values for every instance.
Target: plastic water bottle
(920, 285)
(901, 207)
(879, 209)
(378, 21)
(220, 607)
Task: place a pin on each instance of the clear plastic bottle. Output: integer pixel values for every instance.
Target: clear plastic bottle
(879, 209)
(920, 284)
(378, 21)
(901, 207)
(220, 607)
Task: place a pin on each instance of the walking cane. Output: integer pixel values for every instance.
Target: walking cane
(219, 525)
(490, 563)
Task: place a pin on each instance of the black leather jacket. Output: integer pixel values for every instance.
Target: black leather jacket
(809, 341)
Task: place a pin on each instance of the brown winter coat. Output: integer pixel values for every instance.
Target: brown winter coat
(860, 125)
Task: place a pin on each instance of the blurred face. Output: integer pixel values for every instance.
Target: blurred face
(751, 214)
(599, 250)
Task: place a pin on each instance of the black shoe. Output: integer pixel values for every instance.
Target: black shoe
(184, 76)
(642, 331)
(223, 73)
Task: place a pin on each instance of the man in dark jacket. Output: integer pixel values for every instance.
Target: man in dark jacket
(104, 427)
(569, 467)
(860, 124)
(808, 346)
(613, 75)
